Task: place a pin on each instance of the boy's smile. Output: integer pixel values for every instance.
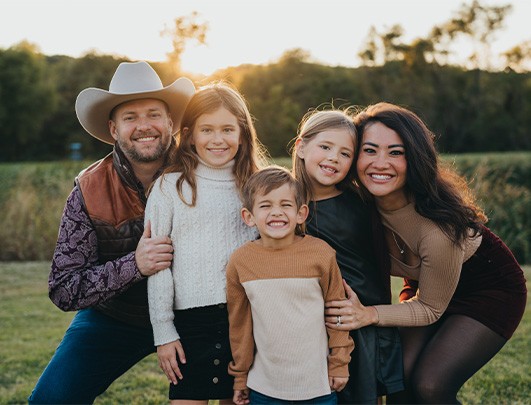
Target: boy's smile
(276, 216)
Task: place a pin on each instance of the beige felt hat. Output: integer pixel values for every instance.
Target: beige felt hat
(131, 81)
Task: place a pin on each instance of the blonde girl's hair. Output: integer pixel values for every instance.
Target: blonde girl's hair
(251, 154)
(311, 125)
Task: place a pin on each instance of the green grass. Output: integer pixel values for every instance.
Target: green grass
(32, 328)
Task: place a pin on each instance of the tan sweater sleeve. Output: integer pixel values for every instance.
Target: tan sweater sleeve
(240, 328)
(441, 262)
(339, 342)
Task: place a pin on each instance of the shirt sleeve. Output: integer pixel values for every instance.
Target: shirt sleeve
(240, 328)
(441, 262)
(340, 342)
(76, 279)
(409, 289)
(161, 291)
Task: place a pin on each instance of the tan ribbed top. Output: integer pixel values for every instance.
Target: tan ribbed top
(278, 336)
(437, 270)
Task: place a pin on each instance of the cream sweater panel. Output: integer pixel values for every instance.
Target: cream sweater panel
(203, 239)
(438, 268)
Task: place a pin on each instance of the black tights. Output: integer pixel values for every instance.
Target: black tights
(440, 358)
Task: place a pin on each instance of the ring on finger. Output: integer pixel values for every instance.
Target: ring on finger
(338, 320)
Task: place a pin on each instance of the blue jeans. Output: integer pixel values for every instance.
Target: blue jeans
(95, 351)
(255, 398)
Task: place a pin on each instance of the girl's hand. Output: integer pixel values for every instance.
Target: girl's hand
(349, 314)
(337, 383)
(241, 397)
(168, 354)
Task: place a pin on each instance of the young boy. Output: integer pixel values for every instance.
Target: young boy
(276, 289)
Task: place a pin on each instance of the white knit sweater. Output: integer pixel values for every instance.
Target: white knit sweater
(203, 239)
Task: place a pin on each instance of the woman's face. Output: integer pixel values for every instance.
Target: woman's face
(382, 166)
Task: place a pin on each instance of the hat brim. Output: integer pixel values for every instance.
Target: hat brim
(93, 106)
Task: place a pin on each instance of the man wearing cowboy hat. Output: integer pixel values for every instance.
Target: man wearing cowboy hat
(103, 254)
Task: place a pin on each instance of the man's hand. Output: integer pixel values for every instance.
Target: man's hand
(153, 254)
(168, 355)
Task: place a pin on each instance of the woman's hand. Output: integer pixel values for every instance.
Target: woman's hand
(349, 314)
(168, 354)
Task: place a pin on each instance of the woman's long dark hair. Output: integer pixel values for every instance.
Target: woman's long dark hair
(440, 194)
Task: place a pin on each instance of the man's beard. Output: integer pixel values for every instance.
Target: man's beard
(133, 154)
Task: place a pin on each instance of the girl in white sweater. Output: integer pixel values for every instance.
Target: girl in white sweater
(197, 203)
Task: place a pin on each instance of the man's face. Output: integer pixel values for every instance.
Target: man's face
(143, 129)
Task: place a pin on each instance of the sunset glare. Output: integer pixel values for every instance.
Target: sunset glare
(239, 32)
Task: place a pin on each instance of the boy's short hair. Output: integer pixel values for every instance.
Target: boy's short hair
(268, 179)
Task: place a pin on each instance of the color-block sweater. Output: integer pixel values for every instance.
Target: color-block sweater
(278, 337)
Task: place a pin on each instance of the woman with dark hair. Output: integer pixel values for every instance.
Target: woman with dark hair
(471, 291)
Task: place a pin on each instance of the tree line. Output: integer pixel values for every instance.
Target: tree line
(470, 108)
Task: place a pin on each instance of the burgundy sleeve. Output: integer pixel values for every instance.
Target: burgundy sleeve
(76, 278)
(409, 289)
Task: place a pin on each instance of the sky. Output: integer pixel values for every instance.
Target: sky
(240, 31)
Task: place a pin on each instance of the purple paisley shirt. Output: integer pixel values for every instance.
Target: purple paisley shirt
(76, 280)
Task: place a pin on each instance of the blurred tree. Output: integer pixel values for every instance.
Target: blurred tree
(295, 55)
(185, 28)
(479, 23)
(416, 55)
(370, 49)
(27, 96)
(381, 48)
(71, 75)
(518, 58)
(475, 21)
(393, 47)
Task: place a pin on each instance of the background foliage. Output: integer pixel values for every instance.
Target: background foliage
(469, 110)
(470, 106)
(34, 194)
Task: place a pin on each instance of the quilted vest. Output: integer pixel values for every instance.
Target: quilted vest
(115, 202)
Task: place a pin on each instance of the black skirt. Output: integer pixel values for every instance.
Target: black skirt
(491, 287)
(204, 334)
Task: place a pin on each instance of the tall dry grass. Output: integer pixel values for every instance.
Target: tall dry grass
(32, 202)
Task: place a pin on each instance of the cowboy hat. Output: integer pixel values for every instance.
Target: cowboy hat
(131, 81)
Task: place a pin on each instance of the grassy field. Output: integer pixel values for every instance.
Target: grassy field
(33, 196)
(32, 328)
